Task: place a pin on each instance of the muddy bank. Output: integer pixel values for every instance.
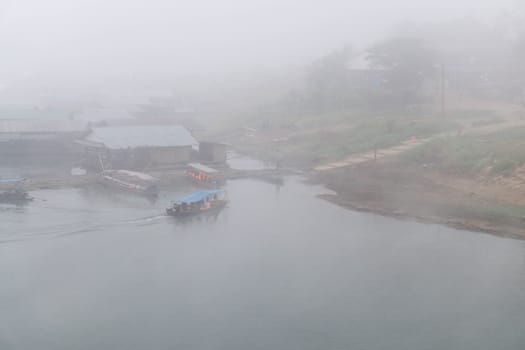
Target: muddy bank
(402, 190)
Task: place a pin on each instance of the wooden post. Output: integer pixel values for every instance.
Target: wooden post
(442, 89)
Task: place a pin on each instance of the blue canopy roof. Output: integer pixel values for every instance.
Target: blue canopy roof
(198, 196)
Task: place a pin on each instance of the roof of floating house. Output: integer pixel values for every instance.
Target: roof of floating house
(123, 137)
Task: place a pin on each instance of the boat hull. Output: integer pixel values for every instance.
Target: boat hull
(215, 207)
(15, 197)
(149, 191)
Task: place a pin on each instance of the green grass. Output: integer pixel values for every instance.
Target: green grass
(471, 114)
(506, 210)
(499, 153)
(488, 121)
(328, 146)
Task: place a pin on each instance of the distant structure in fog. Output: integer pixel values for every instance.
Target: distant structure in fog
(40, 137)
(139, 146)
(100, 116)
(168, 114)
(361, 63)
(212, 152)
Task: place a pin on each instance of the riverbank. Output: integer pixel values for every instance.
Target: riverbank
(468, 173)
(166, 179)
(401, 189)
(394, 187)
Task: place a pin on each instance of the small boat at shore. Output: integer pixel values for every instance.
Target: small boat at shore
(11, 191)
(131, 181)
(198, 203)
(203, 176)
(16, 196)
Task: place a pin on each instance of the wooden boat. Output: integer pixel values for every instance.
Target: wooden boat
(198, 203)
(203, 176)
(130, 181)
(15, 196)
(12, 192)
(11, 182)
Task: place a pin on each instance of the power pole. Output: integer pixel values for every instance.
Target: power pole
(442, 89)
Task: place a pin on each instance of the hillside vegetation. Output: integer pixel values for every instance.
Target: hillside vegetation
(498, 153)
(308, 143)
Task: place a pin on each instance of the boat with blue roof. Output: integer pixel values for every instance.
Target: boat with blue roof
(197, 203)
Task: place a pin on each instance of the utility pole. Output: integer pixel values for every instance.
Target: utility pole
(442, 89)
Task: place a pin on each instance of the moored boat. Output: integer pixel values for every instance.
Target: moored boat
(15, 196)
(11, 182)
(11, 191)
(197, 203)
(203, 176)
(130, 181)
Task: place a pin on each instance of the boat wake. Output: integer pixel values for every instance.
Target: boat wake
(146, 220)
(78, 228)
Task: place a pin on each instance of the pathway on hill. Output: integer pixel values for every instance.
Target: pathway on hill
(379, 154)
(371, 155)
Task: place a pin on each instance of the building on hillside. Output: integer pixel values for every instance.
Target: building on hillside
(24, 137)
(139, 147)
(363, 74)
(212, 152)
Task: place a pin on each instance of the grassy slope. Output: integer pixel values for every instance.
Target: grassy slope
(499, 153)
(339, 137)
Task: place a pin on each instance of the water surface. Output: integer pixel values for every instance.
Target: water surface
(278, 269)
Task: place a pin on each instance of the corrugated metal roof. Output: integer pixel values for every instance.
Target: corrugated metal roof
(41, 126)
(121, 137)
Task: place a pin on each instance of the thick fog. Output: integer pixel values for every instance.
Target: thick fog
(262, 174)
(96, 39)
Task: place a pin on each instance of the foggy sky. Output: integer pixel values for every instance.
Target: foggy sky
(96, 38)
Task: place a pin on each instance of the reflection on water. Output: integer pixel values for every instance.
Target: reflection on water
(275, 270)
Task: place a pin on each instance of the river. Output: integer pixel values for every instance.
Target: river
(277, 269)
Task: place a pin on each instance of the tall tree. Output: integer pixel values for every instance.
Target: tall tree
(406, 62)
(327, 79)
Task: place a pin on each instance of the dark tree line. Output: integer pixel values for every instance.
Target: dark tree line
(404, 71)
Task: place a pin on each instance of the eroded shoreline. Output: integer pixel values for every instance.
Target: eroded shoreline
(398, 190)
(457, 224)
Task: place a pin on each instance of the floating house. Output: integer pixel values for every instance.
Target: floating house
(139, 147)
(23, 137)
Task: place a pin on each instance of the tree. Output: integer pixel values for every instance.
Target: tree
(407, 63)
(327, 79)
